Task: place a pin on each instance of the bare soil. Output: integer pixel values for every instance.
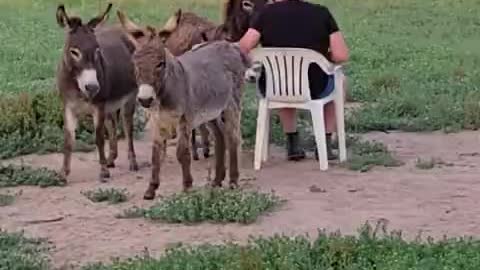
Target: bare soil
(435, 202)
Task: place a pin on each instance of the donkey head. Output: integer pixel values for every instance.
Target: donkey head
(82, 51)
(149, 60)
(237, 16)
(150, 57)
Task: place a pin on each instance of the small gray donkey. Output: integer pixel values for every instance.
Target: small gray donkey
(203, 85)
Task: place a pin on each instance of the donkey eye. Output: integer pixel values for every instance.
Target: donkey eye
(75, 53)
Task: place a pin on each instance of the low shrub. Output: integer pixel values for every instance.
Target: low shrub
(364, 155)
(110, 195)
(6, 199)
(371, 249)
(20, 253)
(213, 205)
(22, 175)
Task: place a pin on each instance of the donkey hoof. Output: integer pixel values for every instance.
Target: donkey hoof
(206, 154)
(187, 187)
(110, 164)
(149, 195)
(133, 167)
(64, 173)
(233, 185)
(216, 184)
(195, 156)
(104, 174)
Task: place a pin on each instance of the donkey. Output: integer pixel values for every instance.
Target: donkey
(185, 29)
(95, 76)
(186, 91)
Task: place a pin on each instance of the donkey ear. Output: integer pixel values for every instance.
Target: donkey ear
(100, 19)
(134, 32)
(173, 22)
(65, 21)
(61, 15)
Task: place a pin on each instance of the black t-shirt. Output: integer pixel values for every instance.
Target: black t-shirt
(296, 23)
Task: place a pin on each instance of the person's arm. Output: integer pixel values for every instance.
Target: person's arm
(251, 38)
(338, 47)
(249, 41)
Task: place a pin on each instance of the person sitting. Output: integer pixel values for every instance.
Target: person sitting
(301, 24)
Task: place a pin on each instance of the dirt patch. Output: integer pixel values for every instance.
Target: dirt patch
(437, 201)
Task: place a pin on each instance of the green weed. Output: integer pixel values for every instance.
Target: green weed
(22, 175)
(20, 253)
(133, 212)
(364, 155)
(213, 205)
(6, 199)
(110, 195)
(428, 164)
(373, 248)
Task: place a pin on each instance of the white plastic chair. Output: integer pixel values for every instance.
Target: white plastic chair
(287, 86)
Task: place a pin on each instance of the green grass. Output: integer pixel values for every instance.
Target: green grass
(20, 253)
(132, 212)
(22, 175)
(209, 205)
(110, 195)
(430, 163)
(372, 249)
(413, 64)
(6, 199)
(364, 155)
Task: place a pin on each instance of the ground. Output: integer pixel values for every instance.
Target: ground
(435, 202)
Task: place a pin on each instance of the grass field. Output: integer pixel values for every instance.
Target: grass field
(412, 62)
(414, 67)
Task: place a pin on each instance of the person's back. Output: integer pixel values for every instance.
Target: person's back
(295, 23)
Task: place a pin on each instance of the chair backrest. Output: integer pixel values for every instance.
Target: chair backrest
(286, 72)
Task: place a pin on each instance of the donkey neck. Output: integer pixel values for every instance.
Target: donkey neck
(173, 87)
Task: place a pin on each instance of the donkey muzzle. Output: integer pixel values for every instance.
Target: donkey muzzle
(146, 95)
(145, 102)
(92, 89)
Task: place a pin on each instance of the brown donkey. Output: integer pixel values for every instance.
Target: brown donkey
(95, 76)
(184, 92)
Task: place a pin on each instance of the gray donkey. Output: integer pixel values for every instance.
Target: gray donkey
(95, 75)
(183, 92)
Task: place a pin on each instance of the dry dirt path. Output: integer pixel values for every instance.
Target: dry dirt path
(438, 201)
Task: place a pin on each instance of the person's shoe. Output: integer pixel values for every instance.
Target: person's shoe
(294, 152)
(330, 154)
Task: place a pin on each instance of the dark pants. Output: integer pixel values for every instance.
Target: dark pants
(321, 84)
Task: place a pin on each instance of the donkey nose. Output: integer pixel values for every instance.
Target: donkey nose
(145, 102)
(92, 89)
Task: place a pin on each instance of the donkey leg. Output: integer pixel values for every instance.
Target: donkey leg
(99, 122)
(220, 170)
(233, 138)
(205, 140)
(111, 125)
(194, 145)
(159, 150)
(183, 153)
(70, 125)
(128, 113)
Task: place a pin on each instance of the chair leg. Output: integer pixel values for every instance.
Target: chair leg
(340, 118)
(320, 138)
(260, 135)
(266, 141)
(342, 145)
